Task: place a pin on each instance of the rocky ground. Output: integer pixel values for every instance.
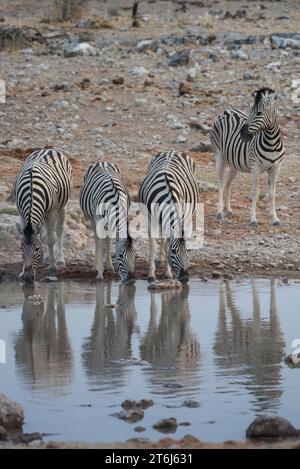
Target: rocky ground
(99, 89)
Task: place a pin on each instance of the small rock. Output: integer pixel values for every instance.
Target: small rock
(273, 66)
(184, 89)
(118, 80)
(216, 274)
(3, 434)
(179, 58)
(191, 403)
(30, 437)
(292, 360)
(185, 424)
(139, 71)
(239, 55)
(166, 425)
(147, 44)
(83, 48)
(139, 429)
(292, 179)
(142, 404)
(180, 139)
(283, 208)
(11, 413)
(203, 147)
(271, 427)
(282, 41)
(130, 416)
(27, 51)
(191, 74)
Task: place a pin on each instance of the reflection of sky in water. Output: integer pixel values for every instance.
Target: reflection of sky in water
(221, 344)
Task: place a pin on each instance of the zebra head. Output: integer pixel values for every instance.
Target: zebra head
(125, 256)
(263, 114)
(177, 258)
(32, 250)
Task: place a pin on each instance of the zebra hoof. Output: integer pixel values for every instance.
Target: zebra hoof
(229, 213)
(61, 264)
(168, 276)
(151, 279)
(219, 217)
(52, 271)
(253, 223)
(100, 277)
(276, 223)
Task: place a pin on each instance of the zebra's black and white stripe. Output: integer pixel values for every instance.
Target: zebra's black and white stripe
(248, 143)
(169, 192)
(104, 199)
(41, 191)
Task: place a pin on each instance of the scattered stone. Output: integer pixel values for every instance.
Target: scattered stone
(203, 147)
(130, 416)
(147, 44)
(30, 437)
(184, 424)
(216, 274)
(3, 434)
(176, 125)
(139, 71)
(184, 89)
(11, 414)
(292, 360)
(204, 186)
(139, 429)
(191, 403)
(83, 48)
(166, 425)
(292, 179)
(271, 427)
(180, 139)
(142, 404)
(273, 66)
(283, 208)
(191, 74)
(196, 124)
(181, 57)
(239, 54)
(238, 14)
(284, 40)
(118, 80)
(156, 285)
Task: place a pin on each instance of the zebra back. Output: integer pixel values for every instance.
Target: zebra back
(105, 196)
(171, 181)
(43, 184)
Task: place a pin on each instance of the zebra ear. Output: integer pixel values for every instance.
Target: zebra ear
(20, 228)
(37, 228)
(254, 94)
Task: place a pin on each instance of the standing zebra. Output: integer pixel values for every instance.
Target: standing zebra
(169, 192)
(248, 143)
(105, 201)
(41, 191)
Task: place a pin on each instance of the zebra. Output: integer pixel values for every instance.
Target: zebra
(248, 143)
(105, 200)
(41, 191)
(170, 193)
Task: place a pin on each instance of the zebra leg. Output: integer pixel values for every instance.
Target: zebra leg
(60, 235)
(220, 165)
(151, 275)
(50, 224)
(108, 261)
(94, 268)
(272, 180)
(255, 188)
(99, 258)
(168, 272)
(230, 175)
(162, 251)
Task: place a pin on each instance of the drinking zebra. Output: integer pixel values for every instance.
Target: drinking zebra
(105, 201)
(248, 143)
(169, 192)
(41, 191)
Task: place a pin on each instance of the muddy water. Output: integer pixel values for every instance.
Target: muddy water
(75, 355)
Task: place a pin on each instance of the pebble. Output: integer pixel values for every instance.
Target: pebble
(139, 71)
(166, 425)
(271, 427)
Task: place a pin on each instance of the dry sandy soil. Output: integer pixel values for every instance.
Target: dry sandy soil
(77, 105)
(72, 103)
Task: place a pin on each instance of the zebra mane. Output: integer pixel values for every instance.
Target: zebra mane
(258, 93)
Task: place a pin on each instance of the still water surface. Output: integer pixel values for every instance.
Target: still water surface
(74, 357)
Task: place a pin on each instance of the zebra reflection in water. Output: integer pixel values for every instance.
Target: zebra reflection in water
(43, 351)
(110, 337)
(170, 346)
(252, 347)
